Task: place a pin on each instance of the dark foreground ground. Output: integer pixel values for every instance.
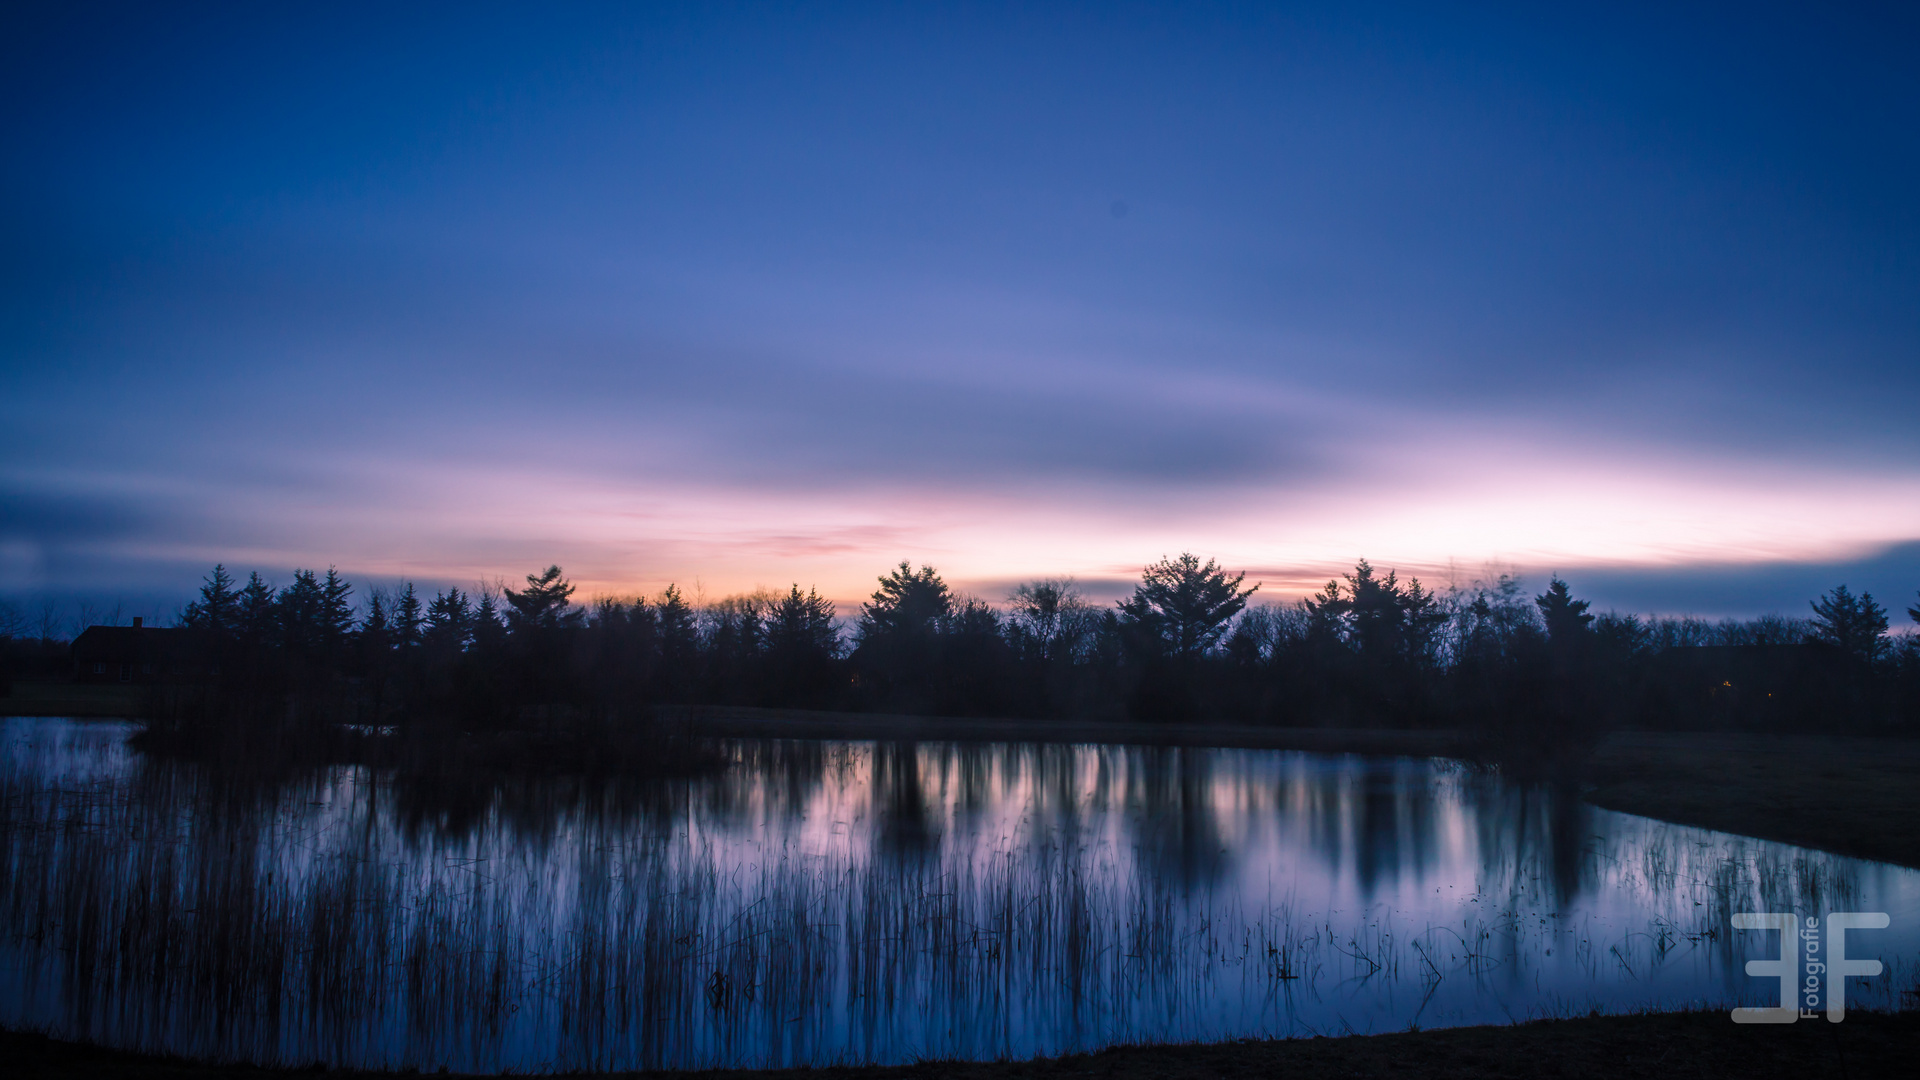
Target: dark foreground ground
(1849, 795)
(27, 698)
(1666, 1046)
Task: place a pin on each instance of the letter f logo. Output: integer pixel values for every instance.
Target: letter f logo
(1838, 966)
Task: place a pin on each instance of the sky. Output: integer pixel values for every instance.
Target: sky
(739, 296)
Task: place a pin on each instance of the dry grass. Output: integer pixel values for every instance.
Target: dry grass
(1656, 1046)
(751, 723)
(74, 699)
(1849, 795)
(1844, 794)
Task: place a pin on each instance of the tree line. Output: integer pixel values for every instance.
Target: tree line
(1369, 649)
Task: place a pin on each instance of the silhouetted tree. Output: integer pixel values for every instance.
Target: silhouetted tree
(1625, 635)
(1047, 617)
(908, 603)
(449, 624)
(300, 615)
(803, 647)
(489, 634)
(217, 612)
(408, 618)
(376, 630)
(1382, 620)
(1182, 606)
(679, 645)
(1178, 612)
(1371, 647)
(1252, 638)
(803, 624)
(1488, 618)
(897, 648)
(1539, 676)
(975, 662)
(375, 647)
(1566, 618)
(623, 651)
(735, 643)
(544, 606)
(256, 613)
(1854, 625)
(336, 611)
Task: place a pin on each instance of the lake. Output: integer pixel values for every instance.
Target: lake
(824, 902)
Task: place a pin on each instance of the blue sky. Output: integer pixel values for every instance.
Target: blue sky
(743, 295)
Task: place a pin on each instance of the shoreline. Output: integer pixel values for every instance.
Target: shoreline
(1653, 1045)
(1852, 795)
(743, 722)
(1849, 795)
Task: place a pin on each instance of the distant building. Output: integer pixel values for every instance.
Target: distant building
(131, 654)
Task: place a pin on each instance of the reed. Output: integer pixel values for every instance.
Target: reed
(815, 904)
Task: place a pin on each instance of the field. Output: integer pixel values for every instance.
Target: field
(73, 699)
(1849, 795)
(1654, 1046)
(1846, 794)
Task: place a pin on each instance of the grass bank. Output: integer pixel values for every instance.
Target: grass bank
(1850, 795)
(73, 699)
(1846, 794)
(1657, 1045)
(749, 723)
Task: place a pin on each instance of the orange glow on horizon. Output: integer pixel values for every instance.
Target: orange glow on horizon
(1450, 523)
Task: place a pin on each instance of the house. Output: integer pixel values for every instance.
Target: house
(131, 654)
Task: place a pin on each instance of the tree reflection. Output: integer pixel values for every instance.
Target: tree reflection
(824, 901)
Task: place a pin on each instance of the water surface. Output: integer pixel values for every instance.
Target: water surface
(846, 901)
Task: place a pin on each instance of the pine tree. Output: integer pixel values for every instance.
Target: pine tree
(908, 604)
(449, 622)
(407, 618)
(299, 614)
(802, 625)
(679, 646)
(1185, 606)
(1853, 624)
(1566, 618)
(488, 633)
(336, 614)
(217, 612)
(1377, 617)
(544, 605)
(678, 636)
(256, 611)
(376, 631)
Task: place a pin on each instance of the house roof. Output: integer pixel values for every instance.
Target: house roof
(128, 643)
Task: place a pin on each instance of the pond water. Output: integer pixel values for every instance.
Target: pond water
(827, 902)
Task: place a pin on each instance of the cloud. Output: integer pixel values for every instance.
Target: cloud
(43, 518)
(1891, 574)
(758, 302)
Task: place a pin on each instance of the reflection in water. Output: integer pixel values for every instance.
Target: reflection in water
(825, 902)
